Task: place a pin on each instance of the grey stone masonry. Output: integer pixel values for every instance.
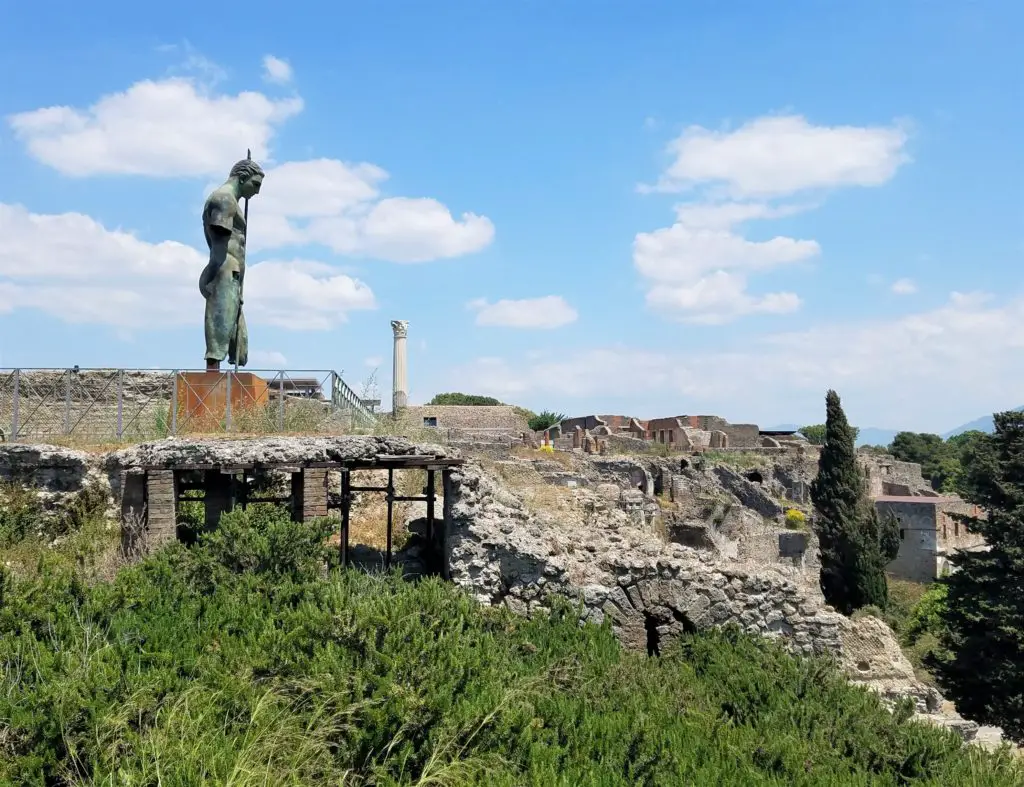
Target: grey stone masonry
(161, 508)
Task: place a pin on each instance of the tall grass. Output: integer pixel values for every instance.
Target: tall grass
(244, 661)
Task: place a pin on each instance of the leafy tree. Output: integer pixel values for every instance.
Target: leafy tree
(816, 434)
(981, 664)
(975, 459)
(462, 399)
(938, 458)
(544, 420)
(855, 544)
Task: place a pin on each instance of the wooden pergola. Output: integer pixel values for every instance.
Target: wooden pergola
(153, 492)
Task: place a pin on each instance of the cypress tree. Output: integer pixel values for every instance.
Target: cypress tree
(980, 665)
(854, 543)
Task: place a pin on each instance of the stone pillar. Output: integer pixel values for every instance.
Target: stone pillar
(399, 377)
(309, 494)
(161, 508)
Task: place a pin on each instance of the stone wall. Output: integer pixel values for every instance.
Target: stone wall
(649, 591)
(886, 476)
(952, 534)
(497, 417)
(57, 475)
(917, 559)
(929, 533)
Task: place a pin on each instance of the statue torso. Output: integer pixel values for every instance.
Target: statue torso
(222, 212)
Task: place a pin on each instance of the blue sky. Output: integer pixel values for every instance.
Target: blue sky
(649, 208)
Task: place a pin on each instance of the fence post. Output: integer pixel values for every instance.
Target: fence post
(14, 409)
(67, 402)
(120, 404)
(227, 408)
(174, 404)
(280, 401)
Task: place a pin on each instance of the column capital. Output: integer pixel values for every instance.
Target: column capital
(401, 328)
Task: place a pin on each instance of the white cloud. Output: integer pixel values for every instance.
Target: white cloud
(174, 127)
(725, 215)
(550, 311)
(338, 205)
(904, 287)
(778, 155)
(697, 270)
(268, 359)
(179, 127)
(72, 267)
(889, 372)
(373, 361)
(717, 299)
(276, 70)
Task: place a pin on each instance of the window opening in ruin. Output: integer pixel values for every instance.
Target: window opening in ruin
(945, 533)
(903, 534)
(430, 420)
(653, 635)
(671, 436)
(755, 477)
(956, 527)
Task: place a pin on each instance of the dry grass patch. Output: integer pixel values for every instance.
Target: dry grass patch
(368, 519)
(564, 458)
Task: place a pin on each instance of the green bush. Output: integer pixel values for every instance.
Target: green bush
(229, 664)
(462, 399)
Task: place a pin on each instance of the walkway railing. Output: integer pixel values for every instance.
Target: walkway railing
(114, 405)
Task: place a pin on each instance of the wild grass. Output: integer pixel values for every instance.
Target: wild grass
(737, 460)
(249, 659)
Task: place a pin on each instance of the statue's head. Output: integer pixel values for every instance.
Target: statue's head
(249, 175)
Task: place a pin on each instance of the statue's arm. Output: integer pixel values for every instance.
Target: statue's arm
(218, 218)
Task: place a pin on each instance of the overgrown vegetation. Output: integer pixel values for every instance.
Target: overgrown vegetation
(979, 661)
(461, 399)
(240, 661)
(855, 543)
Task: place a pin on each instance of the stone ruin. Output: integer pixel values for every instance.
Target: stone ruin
(619, 560)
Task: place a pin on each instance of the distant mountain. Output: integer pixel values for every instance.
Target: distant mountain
(869, 435)
(872, 435)
(983, 424)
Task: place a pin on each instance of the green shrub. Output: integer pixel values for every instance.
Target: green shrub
(461, 399)
(21, 514)
(228, 663)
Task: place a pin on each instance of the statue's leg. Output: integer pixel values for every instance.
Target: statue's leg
(221, 313)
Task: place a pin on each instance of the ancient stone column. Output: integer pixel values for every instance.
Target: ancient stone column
(399, 377)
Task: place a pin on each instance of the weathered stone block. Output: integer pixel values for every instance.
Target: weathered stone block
(792, 544)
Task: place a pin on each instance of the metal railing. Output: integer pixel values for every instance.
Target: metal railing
(114, 405)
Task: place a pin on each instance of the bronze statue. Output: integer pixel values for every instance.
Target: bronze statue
(224, 226)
